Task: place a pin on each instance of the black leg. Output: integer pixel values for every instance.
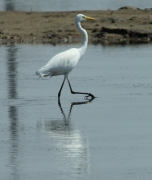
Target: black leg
(59, 93)
(88, 94)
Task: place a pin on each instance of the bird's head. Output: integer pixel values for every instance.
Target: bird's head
(81, 17)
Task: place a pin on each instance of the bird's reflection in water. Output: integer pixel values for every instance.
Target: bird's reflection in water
(73, 145)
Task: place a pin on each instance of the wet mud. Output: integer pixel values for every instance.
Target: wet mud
(125, 25)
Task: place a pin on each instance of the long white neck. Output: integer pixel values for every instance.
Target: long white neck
(83, 48)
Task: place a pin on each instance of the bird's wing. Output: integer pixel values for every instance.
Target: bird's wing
(61, 63)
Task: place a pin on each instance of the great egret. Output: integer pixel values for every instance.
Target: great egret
(64, 62)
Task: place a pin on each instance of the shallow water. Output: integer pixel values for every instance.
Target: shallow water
(108, 138)
(68, 5)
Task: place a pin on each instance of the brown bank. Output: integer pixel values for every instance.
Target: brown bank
(126, 25)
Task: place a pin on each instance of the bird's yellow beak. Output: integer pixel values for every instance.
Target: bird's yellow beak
(89, 18)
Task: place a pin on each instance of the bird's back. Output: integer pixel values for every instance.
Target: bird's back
(61, 63)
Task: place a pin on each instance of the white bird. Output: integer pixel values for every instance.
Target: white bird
(64, 62)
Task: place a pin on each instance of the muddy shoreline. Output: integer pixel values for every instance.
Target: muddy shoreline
(126, 25)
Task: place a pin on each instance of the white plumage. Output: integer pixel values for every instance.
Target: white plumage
(60, 64)
(64, 62)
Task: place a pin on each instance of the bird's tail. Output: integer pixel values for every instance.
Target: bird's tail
(42, 72)
(38, 73)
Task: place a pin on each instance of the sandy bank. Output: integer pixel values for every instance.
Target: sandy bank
(125, 25)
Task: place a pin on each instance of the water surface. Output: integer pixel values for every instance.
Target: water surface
(68, 5)
(108, 138)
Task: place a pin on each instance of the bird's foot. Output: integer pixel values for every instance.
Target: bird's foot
(89, 97)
